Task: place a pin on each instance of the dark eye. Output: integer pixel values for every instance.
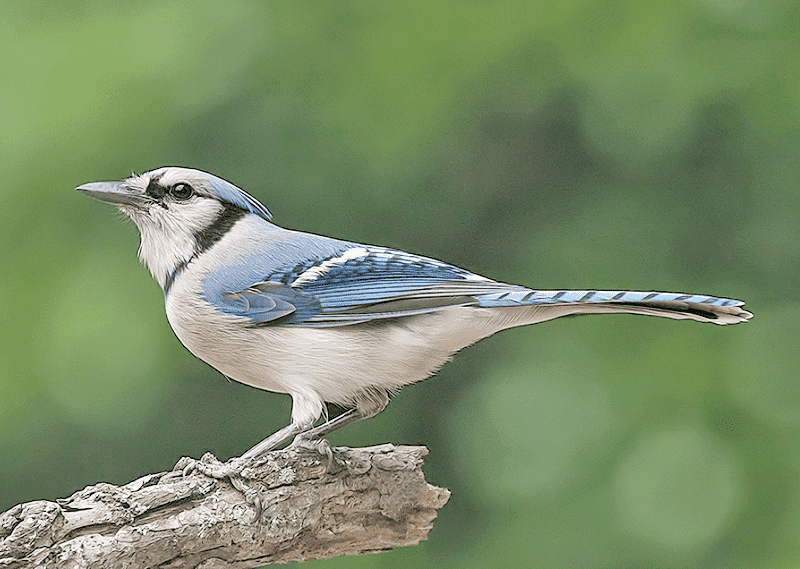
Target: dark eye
(181, 191)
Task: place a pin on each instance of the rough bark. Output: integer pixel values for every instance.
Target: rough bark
(370, 500)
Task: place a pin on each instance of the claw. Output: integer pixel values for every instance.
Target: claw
(189, 468)
(250, 494)
(319, 446)
(252, 498)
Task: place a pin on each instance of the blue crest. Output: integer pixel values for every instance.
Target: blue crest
(226, 191)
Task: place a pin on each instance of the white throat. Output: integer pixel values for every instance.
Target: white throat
(168, 235)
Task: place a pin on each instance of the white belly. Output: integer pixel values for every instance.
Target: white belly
(335, 363)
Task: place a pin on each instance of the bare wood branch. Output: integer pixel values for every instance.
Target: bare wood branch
(372, 500)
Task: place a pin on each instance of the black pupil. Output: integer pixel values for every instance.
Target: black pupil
(181, 191)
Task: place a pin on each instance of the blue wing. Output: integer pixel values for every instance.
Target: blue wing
(357, 284)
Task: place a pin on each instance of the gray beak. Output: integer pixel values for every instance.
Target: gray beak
(112, 192)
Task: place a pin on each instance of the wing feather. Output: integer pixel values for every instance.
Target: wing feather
(356, 285)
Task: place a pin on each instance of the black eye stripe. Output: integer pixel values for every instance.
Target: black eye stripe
(155, 189)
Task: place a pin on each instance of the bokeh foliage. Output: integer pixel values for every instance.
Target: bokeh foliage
(573, 144)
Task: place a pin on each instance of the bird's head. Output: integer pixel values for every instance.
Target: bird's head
(179, 213)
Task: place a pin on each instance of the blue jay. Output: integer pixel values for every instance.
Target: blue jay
(326, 320)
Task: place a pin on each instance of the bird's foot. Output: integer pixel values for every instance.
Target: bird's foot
(316, 445)
(211, 466)
(235, 470)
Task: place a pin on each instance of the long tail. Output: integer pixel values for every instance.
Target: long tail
(551, 304)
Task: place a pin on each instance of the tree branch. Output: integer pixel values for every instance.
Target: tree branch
(373, 499)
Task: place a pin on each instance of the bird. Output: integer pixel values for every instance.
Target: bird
(327, 320)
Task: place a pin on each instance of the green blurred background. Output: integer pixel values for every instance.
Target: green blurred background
(573, 144)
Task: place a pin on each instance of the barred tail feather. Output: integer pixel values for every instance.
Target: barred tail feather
(556, 303)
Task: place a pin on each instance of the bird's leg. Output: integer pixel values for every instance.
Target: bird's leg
(273, 441)
(236, 465)
(369, 403)
(350, 416)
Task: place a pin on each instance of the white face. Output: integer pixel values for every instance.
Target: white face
(177, 207)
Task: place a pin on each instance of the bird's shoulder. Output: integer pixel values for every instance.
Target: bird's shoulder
(307, 260)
